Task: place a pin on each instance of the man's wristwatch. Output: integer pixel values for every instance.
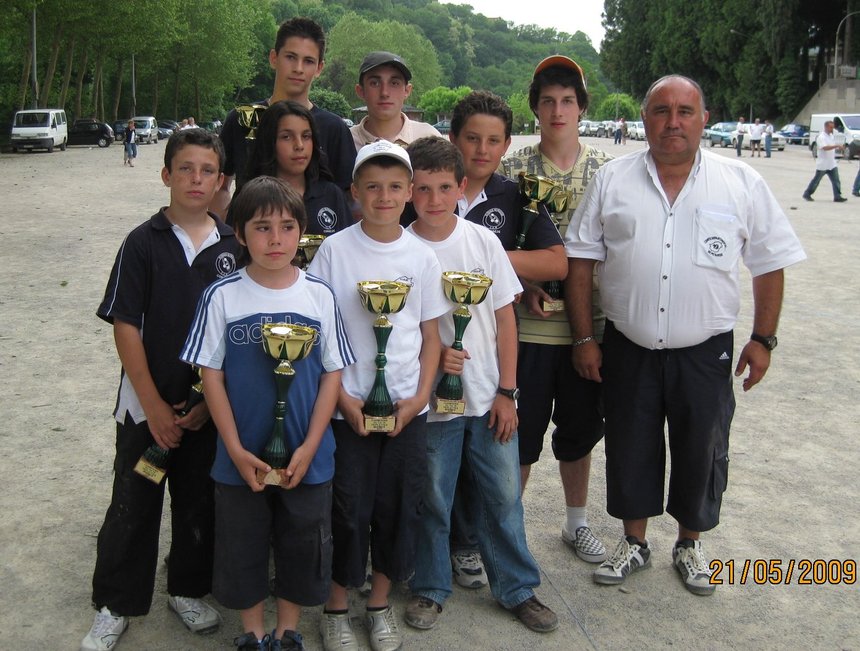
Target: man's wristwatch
(513, 394)
(767, 342)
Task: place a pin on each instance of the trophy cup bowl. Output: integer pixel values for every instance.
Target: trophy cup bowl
(152, 464)
(539, 189)
(307, 249)
(381, 297)
(249, 117)
(286, 343)
(464, 289)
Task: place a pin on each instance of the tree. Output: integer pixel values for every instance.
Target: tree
(440, 101)
(331, 101)
(524, 119)
(615, 106)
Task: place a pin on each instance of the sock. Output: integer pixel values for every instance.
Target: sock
(378, 609)
(576, 518)
(335, 612)
(633, 540)
(685, 542)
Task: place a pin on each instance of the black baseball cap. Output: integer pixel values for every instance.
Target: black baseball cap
(376, 59)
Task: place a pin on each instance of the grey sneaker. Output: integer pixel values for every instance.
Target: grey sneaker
(196, 614)
(106, 630)
(468, 568)
(422, 612)
(690, 562)
(628, 557)
(336, 632)
(585, 544)
(384, 634)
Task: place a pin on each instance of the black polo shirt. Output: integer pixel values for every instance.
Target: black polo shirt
(501, 212)
(326, 207)
(336, 143)
(153, 288)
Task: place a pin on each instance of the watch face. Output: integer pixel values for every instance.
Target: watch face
(515, 394)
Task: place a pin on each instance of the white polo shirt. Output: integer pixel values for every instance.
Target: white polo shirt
(409, 132)
(669, 274)
(826, 159)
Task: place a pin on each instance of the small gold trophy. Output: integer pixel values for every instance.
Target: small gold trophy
(286, 343)
(308, 247)
(249, 117)
(152, 464)
(464, 289)
(539, 189)
(382, 297)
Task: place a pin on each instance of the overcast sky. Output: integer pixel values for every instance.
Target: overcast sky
(570, 16)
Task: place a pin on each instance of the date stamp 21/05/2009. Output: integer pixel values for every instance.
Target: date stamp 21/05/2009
(777, 571)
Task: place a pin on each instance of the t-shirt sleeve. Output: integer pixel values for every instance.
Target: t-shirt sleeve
(127, 289)
(433, 301)
(339, 149)
(206, 345)
(320, 266)
(584, 236)
(336, 350)
(543, 233)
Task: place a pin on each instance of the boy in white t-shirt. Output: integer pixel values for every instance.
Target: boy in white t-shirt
(379, 477)
(486, 432)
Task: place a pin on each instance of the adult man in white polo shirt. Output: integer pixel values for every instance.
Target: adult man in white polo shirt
(825, 163)
(667, 227)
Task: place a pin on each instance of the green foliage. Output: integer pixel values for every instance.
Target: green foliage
(616, 105)
(331, 100)
(524, 119)
(440, 101)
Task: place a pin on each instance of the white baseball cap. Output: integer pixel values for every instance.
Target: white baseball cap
(381, 148)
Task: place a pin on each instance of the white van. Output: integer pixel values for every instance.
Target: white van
(146, 128)
(40, 129)
(846, 128)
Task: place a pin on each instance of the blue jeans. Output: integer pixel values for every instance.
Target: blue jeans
(856, 187)
(768, 142)
(833, 173)
(495, 473)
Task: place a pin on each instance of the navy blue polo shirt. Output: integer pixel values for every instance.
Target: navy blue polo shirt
(153, 288)
(501, 212)
(336, 143)
(326, 207)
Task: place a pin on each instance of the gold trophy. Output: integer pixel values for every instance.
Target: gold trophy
(464, 289)
(382, 297)
(539, 189)
(308, 247)
(286, 343)
(152, 464)
(249, 117)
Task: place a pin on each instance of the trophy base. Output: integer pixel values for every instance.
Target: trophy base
(447, 406)
(379, 423)
(149, 471)
(553, 306)
(271, 478)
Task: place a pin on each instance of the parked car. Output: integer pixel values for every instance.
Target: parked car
(720, 133)
(778, 143)
(119, 129)
(846, 129)
(146, 128)
(795, 134)
(90, 132)
(609, 127)
(164, 132)
(636, 130)
(443, 127)
(591, 128)
(39, 129)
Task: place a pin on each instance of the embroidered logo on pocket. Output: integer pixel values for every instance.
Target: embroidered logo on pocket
(716, 246)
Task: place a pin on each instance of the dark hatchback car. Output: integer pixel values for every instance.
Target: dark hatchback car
(119, 129)
(795, 134)
(90, 132)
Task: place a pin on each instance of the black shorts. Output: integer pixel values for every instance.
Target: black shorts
(295, 522)
(691, 390)
(379, 482)
(550, 388)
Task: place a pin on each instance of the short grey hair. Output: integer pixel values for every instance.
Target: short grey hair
(692, 82)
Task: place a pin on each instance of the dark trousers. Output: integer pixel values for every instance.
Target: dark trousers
(833, 174)
(127, 548)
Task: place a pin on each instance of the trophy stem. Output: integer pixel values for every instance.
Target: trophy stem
(450, 387)
(527, 217)
(378, 402)
(275, 452)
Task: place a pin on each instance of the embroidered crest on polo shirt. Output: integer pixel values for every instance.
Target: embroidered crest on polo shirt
(716, 246)
(406, 279)
(225, 264)
(494, 219)
(327, 218)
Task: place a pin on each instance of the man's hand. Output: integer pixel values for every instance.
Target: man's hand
(299, 464)
(351, 408)
(758, 358)
(161, 419)
(503, 419)
(587, 359)
(194, 419)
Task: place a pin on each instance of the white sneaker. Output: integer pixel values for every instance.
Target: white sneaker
(689, 560)
(384, 634)
(468, 568)
(106, 630)
(336, 631)
(628, 557)
(196, 614)
(585, 544)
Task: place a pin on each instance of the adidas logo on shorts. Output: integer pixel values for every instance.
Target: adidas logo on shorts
(724, 356)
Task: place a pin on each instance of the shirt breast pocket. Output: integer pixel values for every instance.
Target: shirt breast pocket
(717, 241)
